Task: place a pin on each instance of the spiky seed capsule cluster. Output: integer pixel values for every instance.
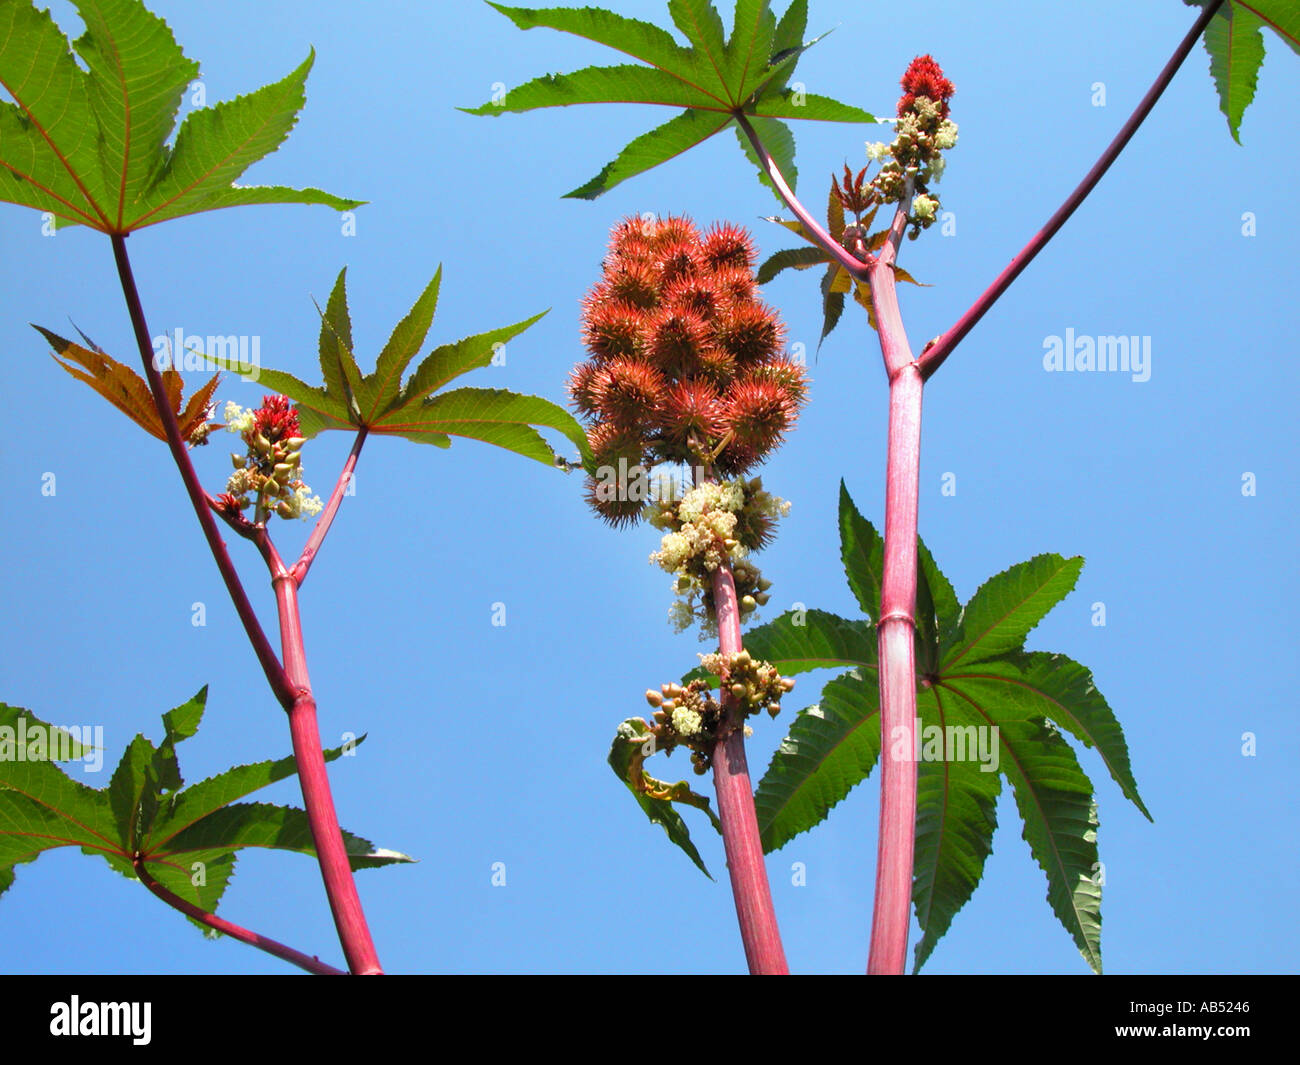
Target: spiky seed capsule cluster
(710, 524)
(269, 474)
(923, 132)
(689, 715)
(686, 366)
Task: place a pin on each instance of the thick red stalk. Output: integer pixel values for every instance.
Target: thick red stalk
(896, 625)
(271, 946)
(749, 886)
(932, 358)
(336, 870)
(275, 673)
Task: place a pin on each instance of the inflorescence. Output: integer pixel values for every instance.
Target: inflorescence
(269, 473)
(710, 524)
(687, 365)
(690, 716)
(923, 132)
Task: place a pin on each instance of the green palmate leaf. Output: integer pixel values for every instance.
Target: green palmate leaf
(862, 551)
(380, 403)
(633, 744)
(185, 838)
(988, 709)
(831, 748)
(90, 146)
(1235, 43)
(956, 815)
(1006, 607)
(1236, 48)
(714, 79)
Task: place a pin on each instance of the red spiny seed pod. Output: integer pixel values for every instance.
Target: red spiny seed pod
(759, 413)
(734, 285)
(786, 375)
(628, 391)
(611, 442)
(725, 245)
(582, 384)
(675, 338)
(672, 230)
(691, 410)
(632, 238)
(677, 259)
(700, 293)
(634, 283)
(750, 332)
(924, 78)
(611, 330)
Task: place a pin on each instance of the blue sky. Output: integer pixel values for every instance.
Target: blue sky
(487, 743)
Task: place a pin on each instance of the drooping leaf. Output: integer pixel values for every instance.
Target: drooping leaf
(633, 743)
(1235, 45)
(186, 839)
(129, 392)
(90, 146)
(988, 709)
(714, 78)
(418, 410)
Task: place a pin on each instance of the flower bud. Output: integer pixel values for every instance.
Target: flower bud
(653, 698)
(738, 690)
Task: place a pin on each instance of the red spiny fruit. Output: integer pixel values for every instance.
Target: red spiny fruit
(701, 294)
(735, 286)
(678, 259)
(787, 376)
(750, 332)
(611, 330)
(582, 385)
(617, 492)
(697, 369)
(628, 391)
(633, 283)
(276, 419)
(676, 229)
(675, 337)
(924, 78)
(691, 411)
(759, 412)
(725, 245)
(632, 238)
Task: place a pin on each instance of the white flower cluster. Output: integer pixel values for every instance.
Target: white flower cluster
(238, 420)
(687, 722)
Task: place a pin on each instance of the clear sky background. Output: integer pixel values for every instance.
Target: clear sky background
(487, 744)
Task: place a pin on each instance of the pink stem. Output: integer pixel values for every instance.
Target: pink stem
(749, 886)
(326, 519)
(275, 673)
(829, 244)
(932, 358)
(331, 853)
(271, 946)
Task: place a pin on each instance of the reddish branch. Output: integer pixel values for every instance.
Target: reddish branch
(290, 682)
(896, 623)
(304, 961)
(749, 886)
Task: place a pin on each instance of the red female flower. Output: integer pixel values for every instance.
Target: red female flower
(924, 78)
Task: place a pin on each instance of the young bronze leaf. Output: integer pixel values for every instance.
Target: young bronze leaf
(129, 392)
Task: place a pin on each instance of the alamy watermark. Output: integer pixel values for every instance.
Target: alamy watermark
(179, 351)
(948, 743)
(36, 742)
(1113, 354)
